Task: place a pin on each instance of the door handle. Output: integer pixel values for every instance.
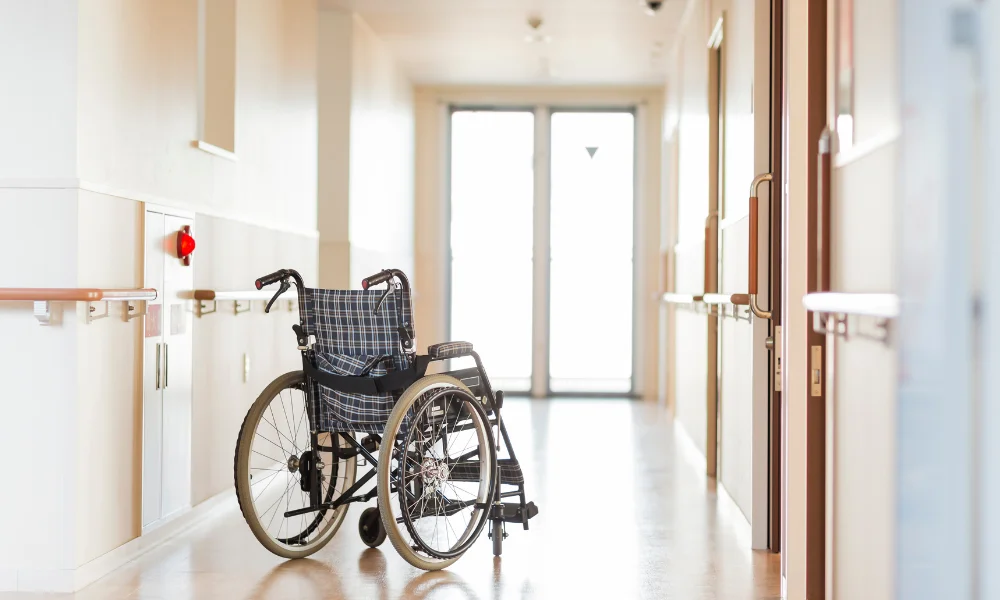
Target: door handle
(752, 271)
(166, 366)
(711, 284)
(823, 181)
(157, 366)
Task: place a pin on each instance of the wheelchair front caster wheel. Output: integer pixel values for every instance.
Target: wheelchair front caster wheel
(497, 536)
(370, 527)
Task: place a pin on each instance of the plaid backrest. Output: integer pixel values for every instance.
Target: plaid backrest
(345, 321)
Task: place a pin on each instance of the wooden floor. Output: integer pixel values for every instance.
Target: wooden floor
(625, 512)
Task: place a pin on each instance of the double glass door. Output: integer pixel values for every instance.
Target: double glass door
(542, 246)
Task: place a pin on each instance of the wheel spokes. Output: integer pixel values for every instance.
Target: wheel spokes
(287, 433)
(440, 516)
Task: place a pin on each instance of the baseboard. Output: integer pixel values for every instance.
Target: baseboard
(8, 579)
(70, 580)
(690, 451)
(727, 506)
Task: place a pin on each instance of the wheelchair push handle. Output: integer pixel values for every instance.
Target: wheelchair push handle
(272, 278)
(283, 276)
(377, 278)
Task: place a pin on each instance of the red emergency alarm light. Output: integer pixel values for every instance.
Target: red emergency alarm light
(185, 244)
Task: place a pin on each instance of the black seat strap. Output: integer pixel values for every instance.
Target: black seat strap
(370, 386)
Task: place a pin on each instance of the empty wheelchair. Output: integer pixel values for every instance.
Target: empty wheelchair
(433, 443)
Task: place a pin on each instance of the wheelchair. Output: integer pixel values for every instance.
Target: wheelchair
(432, 442)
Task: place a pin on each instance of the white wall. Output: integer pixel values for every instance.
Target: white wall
(382, 159)
(863, 259)
(38, 365)
(38, 105)
(688, 134)
(335, 64)
(39, 396)
(139, 88)
(687, 128)
(104, 118)
(366, 153)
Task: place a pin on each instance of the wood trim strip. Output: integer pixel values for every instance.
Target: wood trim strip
(239, 295)
(74, 294)
(752, 283)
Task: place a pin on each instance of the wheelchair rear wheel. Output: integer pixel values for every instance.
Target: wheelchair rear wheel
(273, 463)
(437, 472)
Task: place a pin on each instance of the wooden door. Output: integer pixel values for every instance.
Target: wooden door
(775, 109)
(813, 80)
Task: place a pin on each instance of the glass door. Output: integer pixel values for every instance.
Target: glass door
(580, 266)
(590, 290)
(492, 195)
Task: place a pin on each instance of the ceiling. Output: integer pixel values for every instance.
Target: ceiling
(483, 42)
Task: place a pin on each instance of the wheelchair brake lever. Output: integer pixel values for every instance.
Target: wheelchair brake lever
(281, 290)
(388, 288)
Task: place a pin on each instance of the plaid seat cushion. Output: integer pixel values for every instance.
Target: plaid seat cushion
(353, 339)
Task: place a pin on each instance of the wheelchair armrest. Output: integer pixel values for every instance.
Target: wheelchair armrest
(449, 350)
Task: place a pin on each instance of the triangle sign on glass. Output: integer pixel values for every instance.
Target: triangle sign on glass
(592, 150)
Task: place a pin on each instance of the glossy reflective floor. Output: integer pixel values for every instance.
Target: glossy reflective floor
(625, 512)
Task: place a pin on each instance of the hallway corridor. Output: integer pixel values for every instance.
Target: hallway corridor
(625, 512)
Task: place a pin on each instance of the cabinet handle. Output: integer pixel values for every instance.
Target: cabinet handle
(157, 366)
(166, 366)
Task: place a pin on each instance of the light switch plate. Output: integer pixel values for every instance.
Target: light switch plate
(246, 367)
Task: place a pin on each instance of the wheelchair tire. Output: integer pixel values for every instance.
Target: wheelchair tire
(421, 422)
(370, 528)
(497, 536)
(274, 435)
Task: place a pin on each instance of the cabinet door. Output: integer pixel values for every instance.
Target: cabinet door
(152, 396)
(177, 390)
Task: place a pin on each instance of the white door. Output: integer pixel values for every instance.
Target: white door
(166, 373)
(177, 348)
(152, 396)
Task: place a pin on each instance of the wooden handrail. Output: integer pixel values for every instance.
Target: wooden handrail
(883, 306)
(215, 295)
(75, 294)
(734, 299)
(202, 297)
(672, 298)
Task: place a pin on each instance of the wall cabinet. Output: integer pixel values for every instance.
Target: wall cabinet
(167, 375)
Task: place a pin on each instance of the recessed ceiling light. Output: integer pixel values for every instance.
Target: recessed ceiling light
(651, 6)
(536, 36)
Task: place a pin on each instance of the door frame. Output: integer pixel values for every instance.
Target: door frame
(541, 232)
(772, 395)
(716, 186)
(803, 427)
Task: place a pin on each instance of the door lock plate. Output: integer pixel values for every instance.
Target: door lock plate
(816, 371)
(777, 358)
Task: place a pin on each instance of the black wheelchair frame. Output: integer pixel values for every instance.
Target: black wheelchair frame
(474, 378)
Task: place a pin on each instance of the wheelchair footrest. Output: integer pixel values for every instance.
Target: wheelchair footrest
(515, 513)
